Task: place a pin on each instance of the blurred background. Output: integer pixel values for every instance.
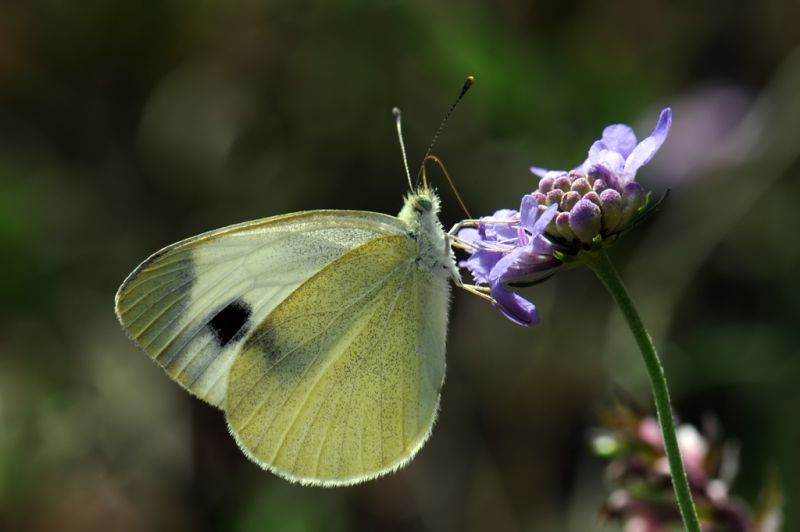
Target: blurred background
(128, 125)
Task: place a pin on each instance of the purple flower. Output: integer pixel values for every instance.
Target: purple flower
(568, 212)
(495, 235)
(510, 246)
(606, 178)
(617, 156)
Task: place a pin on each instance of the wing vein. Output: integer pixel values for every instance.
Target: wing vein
(282, 439)
(257, 336)
(378, 339)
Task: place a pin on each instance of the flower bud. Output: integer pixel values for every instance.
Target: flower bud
(569, 200)
(539, 197)
(599, 185)
(546, 184)
(585, 220)
(593, 197)
(600, 171)
(581, 186)
(611, 204)
(562, 183)
(554, 196)
(562, 226)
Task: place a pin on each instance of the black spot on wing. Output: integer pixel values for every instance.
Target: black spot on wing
(231, 323)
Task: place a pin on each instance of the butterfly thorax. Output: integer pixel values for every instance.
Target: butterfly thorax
(420, 212)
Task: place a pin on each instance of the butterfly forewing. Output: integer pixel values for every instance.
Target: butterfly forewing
(191, 305)
(341, 381)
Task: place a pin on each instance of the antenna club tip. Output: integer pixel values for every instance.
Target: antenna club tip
(396, 111)
(467, 84)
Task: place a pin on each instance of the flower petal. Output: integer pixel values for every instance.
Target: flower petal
(523, 261)
(495, 231)
(542, 173)
(509, 265)
(619, 138)
(514, 307)
(528, 211)
(539, 172)
(595, 149)
(542, 246)
(481, 263)
(611, 160)
(544, 220)
(470, 234)
(642, 154)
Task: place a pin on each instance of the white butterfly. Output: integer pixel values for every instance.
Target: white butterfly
(321, 334)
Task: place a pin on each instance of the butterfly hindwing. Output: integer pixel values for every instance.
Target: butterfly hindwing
(341, 381)
(191, 305)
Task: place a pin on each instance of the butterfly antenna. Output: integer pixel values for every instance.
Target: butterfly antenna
(439, 162)
(467, 84)
(398, 120)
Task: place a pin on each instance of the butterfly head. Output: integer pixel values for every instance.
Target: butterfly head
(420, 204)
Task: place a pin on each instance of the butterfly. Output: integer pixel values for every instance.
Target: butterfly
(320, 334)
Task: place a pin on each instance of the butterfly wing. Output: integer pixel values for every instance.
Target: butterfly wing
(340, 383)
(191, 305)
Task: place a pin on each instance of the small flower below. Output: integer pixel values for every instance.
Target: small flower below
(643, 498)
(568, 212)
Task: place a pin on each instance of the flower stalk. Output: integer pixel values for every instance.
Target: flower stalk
(599, 262)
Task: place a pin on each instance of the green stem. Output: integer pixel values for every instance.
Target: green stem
(601, 265)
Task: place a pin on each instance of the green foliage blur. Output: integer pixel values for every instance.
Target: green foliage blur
(127, 125)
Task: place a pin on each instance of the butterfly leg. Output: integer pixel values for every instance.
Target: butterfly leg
(475, 223)
(461, 225)
(452, 235)
(480, 291)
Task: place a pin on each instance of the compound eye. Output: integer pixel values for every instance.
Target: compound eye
(424, 204)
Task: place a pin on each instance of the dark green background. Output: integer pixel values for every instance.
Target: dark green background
(126, 125)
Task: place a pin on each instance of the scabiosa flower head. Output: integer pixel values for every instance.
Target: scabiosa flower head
(601, 195)
(568, 212)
